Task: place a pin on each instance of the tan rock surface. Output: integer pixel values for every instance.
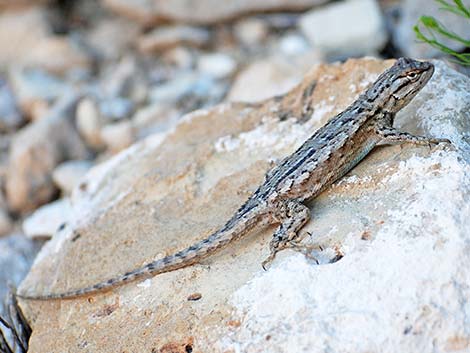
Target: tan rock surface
(271, 76)
(25, 40)
(202, 11)
(163, 38)
(165, 193)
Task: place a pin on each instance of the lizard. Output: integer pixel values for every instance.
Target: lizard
(327, 155)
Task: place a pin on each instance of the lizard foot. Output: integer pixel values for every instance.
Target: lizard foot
(306, 250)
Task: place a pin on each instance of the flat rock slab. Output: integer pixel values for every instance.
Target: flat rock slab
(400, 218)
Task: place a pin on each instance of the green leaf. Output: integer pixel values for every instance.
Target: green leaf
(434, 29)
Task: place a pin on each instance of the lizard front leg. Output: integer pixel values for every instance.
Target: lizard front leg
(292, 216)
(390, 135)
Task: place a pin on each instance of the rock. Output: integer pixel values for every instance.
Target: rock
(6, 224)
(67, 175)
(121, 32)
(400, 218)
(5, 142)
(118, 136)
(180, 57)
(155, 118)
(163, 38)
(217, 65)
(89, 123)
(58, 55)
(119, 78)
(35, 89)
(203, 11)
(268, 77)
(21, 4)
(183, 85)
(404, 37)
(351, 27)
(116, 108)
(47, 219)
(16, 256)
(33, 45)
(10, 116)
(172, 91)
(34, 153)
(293, 44)
(251, 31)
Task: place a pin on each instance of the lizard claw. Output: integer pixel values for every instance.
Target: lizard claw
(268, 261)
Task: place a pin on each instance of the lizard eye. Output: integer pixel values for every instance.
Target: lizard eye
(412, 75)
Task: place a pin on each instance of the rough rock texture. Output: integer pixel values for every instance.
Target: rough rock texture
(34, 153)
(201, 11)
(405, 39)
(400, 218)
(352, 27)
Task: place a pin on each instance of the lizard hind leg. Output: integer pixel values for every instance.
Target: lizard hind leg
(292, 216)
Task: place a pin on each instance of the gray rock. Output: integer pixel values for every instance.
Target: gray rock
(6, 223)
(173, 90)
(67, 175)
(16, 256)
(122, 33)
(116, 108)
(118, 79)
(404, 37)
(33, 86)
(10, 117)
(5, 141)
(36, 150)
(351, 27)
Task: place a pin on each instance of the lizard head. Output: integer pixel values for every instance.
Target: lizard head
(397, 86)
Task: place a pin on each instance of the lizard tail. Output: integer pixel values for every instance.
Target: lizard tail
(233, 229)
